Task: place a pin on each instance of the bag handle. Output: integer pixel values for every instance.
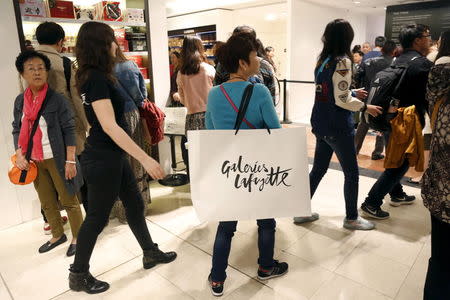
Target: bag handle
(234, 105)
(243, 107)
(246, 96)
(36, 124)
(23, 174)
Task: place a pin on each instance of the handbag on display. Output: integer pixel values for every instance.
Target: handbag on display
(23, 177)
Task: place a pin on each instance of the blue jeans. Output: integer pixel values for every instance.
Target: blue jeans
(388, 182)
(222, 246)
(344, 148)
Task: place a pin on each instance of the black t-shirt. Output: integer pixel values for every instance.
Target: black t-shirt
(98, 87)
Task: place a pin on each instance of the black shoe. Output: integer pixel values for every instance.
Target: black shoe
(72, 249)
(216, 287)
(87, 283)
(49, 246)
(279, 269)
(372, 212)
(402, 200)
(155, 256)
(377, 156)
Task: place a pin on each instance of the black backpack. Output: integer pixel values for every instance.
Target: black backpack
(67, 64)
(384, 91)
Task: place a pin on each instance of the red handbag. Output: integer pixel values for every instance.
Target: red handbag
(154, 119)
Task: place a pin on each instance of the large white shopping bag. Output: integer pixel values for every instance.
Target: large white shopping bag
(251, 175)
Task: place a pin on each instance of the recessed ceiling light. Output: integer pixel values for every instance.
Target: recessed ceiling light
(356, 2)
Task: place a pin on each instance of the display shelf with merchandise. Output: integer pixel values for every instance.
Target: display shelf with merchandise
(131, 32)
(206, 33)
(125, 53)
(27, 19)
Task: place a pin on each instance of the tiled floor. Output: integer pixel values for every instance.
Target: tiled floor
(326, 261)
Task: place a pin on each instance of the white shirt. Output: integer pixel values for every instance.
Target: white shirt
(46, 148)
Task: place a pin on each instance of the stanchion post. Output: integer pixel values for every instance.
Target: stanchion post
(285, 105)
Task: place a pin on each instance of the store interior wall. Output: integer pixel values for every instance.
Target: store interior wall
(18, 203)
(306, 24)
(375, 26)
(160, 66)
(269, 21)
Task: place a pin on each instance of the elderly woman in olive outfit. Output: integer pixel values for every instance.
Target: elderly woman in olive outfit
(53, 147)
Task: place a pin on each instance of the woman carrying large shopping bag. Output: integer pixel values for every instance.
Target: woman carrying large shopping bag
(238, 56)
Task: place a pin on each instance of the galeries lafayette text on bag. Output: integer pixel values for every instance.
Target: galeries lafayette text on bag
(248, 175)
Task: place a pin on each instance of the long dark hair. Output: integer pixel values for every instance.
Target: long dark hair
(192, 55)
(93, 51)
(337, 40)
(444, 48)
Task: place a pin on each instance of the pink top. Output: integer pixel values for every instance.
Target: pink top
(194, 89)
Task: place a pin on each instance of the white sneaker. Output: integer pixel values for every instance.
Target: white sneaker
(300, 220)
(358, 224)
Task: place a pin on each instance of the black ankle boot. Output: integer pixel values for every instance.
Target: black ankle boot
(87, 283)
(155, 256)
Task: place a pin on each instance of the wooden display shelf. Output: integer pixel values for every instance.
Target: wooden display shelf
(77, 21)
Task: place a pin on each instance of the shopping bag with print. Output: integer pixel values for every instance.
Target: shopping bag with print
(250, 175)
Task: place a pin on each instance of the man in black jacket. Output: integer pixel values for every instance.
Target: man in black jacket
(416, 42)
(366, 73)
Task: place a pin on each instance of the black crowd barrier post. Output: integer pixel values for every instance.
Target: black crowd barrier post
(285, 104)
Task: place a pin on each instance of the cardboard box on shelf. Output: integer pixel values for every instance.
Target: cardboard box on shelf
(61, 9)
(33, 8)
(84, 13)
(119, 33)
(108, 11)
(134, 15)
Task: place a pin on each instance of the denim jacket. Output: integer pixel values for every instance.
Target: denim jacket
(131, 84)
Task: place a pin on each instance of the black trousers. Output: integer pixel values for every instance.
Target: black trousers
(360, 136)
(437, 284)
(108, 176)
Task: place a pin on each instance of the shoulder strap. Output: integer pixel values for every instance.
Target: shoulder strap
(243, 107)
(36, 123)
(234, 105)
(67, 64)
(402, 78)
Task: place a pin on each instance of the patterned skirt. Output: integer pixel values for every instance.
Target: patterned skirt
(195, 121)
(135, 126)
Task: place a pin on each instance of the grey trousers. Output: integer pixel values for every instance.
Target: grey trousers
(360, 135)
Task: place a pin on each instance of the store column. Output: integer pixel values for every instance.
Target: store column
(160, 67)
(10, 197)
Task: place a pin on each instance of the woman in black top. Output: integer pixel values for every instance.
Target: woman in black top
(104, 163)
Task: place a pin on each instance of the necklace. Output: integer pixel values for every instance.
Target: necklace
(238, 77)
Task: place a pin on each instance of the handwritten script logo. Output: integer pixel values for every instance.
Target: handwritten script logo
(258, 175)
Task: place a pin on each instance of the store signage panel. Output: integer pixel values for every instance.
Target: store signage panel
(435, 14)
